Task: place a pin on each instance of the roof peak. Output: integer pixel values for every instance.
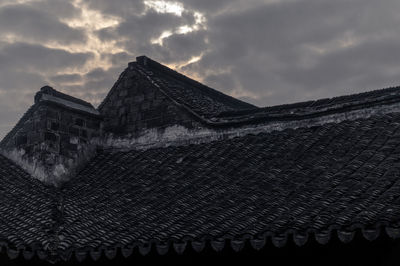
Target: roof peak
(48, 90)
(188, 91)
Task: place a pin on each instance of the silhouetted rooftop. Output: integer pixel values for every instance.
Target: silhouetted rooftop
(258, 175)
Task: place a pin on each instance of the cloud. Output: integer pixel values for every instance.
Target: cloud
(31, 57)
(38, 25)
(57, 8)
(156, 32)
(24, 68)
(265, 51)
(179, 47)
(299, 50)
(119, 59)
(66, 78)
(93, 86)
(119, 8)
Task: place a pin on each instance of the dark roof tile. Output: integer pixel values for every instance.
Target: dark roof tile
(311, 180)
(26, 211)
(203, 100)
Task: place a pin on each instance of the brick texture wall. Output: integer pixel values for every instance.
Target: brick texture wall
(54, 139)
(134, 105)
(59, 129)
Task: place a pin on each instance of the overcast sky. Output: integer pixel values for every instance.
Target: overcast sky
(266, 52)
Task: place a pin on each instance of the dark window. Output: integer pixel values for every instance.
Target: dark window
(93, 124)
(80, 122)
(50, 136)
(83, 133)
(55, 126)
(74, 131)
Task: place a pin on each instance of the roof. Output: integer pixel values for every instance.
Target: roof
(27, 220)
(306, 182)
(258, 175)
(303, 182)
(47, 90)
(216, 109)
(312, 108)
(49, 96)
(196, 98)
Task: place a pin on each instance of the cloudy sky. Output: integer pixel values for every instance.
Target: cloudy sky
(264, 51)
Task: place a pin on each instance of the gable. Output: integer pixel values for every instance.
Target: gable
(134, 105)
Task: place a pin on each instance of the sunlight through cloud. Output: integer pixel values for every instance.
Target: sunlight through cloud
(165, 7)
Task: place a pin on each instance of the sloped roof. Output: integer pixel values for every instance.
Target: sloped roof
(300, 110)
(305, 182)
(198, 99)
(275, 174)
(27, 212)
(47, 90)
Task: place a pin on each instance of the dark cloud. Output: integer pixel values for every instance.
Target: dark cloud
(66, 78)
(102, 79)
(24, 68)
(57, 8)
(139, 30)
(96, 84)
(39, 25)
(119, 59)
(19, 80)
(95, 74)
(179, 47)
(292, 51)
(119, 8)
(34, 58)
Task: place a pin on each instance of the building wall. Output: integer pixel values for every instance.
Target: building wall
(135, 104)
(53, 140)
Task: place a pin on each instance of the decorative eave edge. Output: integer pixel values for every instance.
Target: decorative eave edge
(178, 135)
(237, 243)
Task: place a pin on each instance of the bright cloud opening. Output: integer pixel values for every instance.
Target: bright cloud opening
(165, 7)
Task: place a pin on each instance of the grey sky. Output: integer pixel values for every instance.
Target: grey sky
(264, 51)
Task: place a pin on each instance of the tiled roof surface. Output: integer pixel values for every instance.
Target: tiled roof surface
(28, 216)
(199, 98)
(296, 183)
(304, 182)
(316, 107)
(301, 182)
(217, 109)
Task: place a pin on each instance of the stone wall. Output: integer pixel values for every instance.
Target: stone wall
(135, 105)
(52, 140)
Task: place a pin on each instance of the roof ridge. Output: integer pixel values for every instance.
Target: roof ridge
(322, 102)
(181, 136)
(51, 91)
(284, 112)
(150, 64)
(287, 112)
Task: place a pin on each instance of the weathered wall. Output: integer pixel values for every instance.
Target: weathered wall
(135, 105)
(52, 141)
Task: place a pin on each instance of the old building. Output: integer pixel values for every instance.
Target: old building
(166, 165)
